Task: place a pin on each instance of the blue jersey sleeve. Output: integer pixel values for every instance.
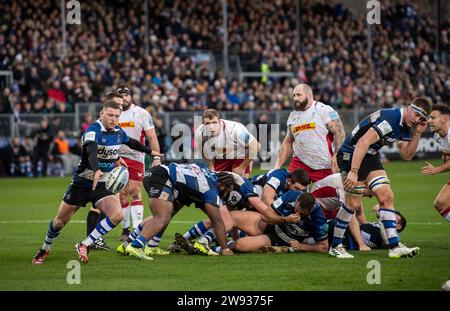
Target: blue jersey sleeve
(92, 134)
(277, 179)
(385, 122)
(319, 224)
(285, 205)
(247, 189)
(212, 197)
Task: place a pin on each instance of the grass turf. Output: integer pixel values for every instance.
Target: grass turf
(27, 205)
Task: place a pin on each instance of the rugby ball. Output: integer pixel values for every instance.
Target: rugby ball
(117, 179)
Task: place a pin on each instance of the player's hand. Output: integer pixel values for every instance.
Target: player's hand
(226, 252)
(421, 127)
(97, 175)
(429, 169)
(364, 248)
(292, 218)
(156, 153)
(239, 170)
(350, 181)
(121, 162)
(297, 246)
(334, 165)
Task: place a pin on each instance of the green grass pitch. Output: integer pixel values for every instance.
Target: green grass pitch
(26, 206)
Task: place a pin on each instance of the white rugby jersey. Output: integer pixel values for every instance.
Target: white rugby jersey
(329, 191)
(134, 122)
(444, 142)
(230, 143)
(313, 142)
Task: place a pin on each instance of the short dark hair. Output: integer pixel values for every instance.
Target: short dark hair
(402, 221)
(111, 104)
(422, 102)
(210, 114)
(307, 202)
(300, 176)
(442, 108)
(111, 96)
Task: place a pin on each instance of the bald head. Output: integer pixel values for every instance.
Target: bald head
(303, 97)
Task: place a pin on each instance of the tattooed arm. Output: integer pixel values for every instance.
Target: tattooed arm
(337, 128)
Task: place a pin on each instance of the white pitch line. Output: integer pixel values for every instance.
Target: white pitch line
(5, 222)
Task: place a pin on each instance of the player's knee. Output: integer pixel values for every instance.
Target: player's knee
(134, 194)
(386, 198)
(116, 217)
(59, 223)
(439, 203)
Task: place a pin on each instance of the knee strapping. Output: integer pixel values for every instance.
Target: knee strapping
(378, 182)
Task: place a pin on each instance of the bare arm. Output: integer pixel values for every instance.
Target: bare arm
(269, 215)
(285, 151)
(319, 247)
(253, 148)
(408, 149)
(430, 169)
(269, 195)
(154, 144)
(337, 128)
(213, 213)
(353, 227)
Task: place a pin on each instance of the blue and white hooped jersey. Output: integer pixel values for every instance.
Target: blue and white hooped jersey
(238, 198)
(108, 143)
(387, 123)
(194, 183)
(315, 225)
(277, 179)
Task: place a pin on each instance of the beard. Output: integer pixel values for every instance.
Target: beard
(300, 105)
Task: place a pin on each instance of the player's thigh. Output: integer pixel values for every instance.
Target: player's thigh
(65, 213)
(135, 189)
(226, 217)
(161, 209)
(443, 198)
(110, 206)
(252, 243)
(249, 222)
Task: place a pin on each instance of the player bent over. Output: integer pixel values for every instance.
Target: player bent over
(185, 183)
(309, 234)
(439, 122)
(101, 143)
(360, 166)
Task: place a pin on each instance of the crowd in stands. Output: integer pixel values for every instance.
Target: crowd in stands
(109, 47)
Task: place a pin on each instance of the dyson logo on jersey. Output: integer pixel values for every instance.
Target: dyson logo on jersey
(108, 152)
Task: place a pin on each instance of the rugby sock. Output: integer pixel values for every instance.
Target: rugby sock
(343, 218)
(446, 214)
(218, 249)
(136, 232)
(197, 230)
(50, 237)
(154, 242)
(139, 242)
(91, 221)
(137, 211)
(387, 218)
(208, 237)
(102, 228)
(126, 215)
